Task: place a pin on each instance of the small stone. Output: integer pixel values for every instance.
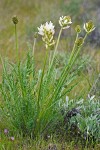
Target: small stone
(52, 147)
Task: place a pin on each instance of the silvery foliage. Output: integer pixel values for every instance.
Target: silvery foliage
(88, 120)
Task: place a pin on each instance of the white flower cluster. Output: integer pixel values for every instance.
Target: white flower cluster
(89, 26)
(65, 22)
(47, 32)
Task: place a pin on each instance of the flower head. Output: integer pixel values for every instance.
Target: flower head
(47, 32)
(89, 26)
(15, 19)
(41, 30)
(46, 28)
(78, 29)
(35, 35)
(6, 131)
(65, 22)
(49, 27)
(12, 138)
(79, 41)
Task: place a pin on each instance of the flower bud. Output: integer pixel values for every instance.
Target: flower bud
(6, 131)
(89, 26)
(12, 138)
(79, 41)
(78, 29)
(15, 19)
(35, 35)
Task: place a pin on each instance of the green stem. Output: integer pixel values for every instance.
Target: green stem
(71, 57)
(67, 70)
(39, 94)
(34, 45)
(50, 58)
(45, 60)
(1, 60)
(16, 40)
(55, 49)
(73, 50)
(78, 51)
(58, 41)
(21, 80)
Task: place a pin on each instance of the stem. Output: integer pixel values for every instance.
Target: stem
(55, 48)
(45, 60)
(58, 40)
(39, 94)
(20, 79)
(16, 40)
(50, 58)
(73, 50)
(34, 45)
(1, 60)
(72, 54)
(67, 69)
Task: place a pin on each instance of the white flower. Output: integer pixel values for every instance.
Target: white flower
(89, 26)
(65, 22)
(49, 27)
(47, 31)
(41, 30)
(91, 97)
(46, 28)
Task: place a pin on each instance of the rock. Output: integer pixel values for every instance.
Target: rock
(52, 147)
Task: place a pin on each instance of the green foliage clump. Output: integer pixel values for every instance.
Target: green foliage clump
(32, 97)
